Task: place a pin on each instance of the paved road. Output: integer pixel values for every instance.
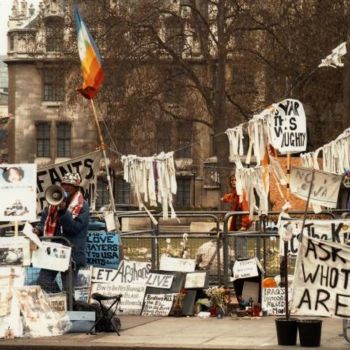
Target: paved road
(172, 333)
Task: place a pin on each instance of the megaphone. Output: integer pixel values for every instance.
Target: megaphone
(55, 194)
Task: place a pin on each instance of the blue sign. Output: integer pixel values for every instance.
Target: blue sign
(103, 249)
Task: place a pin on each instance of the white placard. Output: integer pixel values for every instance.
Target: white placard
(17, 192)
(28, 232)
(274, 300)
(58, 302)
(196, 280)
(132, 299)
(157, 280)
(325, 188)
(52, 256)
(110, 221)
(245, 269)
(177, 264)
(14, 251)
(287, 127)
(157, 304)
(321, 279)
(135, 272)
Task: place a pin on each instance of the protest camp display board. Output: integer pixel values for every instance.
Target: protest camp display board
(14, 251)
(274, 300)
(177, 264)
(246, 268)
(337, 230)
(157, 304)
(325, 186)
(321, 279)
(58, 302)
(10, 278)
(52, 256)
(18, 192)
(287, 127)
(103, 249)
(83, 284)
(86, 165)
(197, 280)
(129, 280)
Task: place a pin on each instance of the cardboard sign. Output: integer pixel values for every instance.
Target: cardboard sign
(196, 280)
(52, 256)
(157, 280)
(321, 279)
(274, 300)
(245, 269)
(102, 249)
(177, 264)
(157, 304)
(132, 299)
(135, 272)
(325, 187)
(86, 165)
(287, 127)
(58, 302)
(17, 192)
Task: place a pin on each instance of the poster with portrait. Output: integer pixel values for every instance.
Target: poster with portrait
(17, 192)
(14, 251)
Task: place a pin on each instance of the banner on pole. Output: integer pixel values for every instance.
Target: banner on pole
(87, 166)
(321, 279)
(325, 187)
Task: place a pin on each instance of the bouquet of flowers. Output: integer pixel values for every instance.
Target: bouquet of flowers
(216, 296)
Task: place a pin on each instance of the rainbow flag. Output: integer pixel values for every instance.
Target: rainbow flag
(90, 59)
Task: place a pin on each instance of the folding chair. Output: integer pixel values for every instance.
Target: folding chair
(108, 317)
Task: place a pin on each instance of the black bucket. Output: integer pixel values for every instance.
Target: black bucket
(286, 331)
(310, 332)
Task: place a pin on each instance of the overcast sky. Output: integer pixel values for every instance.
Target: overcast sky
(5, 10)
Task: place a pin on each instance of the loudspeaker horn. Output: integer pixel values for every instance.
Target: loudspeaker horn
(54, 194)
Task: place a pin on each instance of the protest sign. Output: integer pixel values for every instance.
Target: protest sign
(17, 192)
(86, 165)
(337, 230)
(177, 264)
(132, 299)
(245, 268)
(52, 256)
(325, 187)
(157, 304)
(321, 279)
(102, 249)
(10, 278)
(128, 272)
(157, 280)
(58, 302)
(274, 300)
(196, 280)
(14, 251)
(287, 127)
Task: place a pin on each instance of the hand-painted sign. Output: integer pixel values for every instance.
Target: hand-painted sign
(325, 186)
(287, 127)
(321, 279)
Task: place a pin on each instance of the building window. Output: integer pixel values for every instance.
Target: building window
(43, 140)
(54, 36)
(53, 84)
(183, 195)
(64, 139)
(163, 139)
(123, 191)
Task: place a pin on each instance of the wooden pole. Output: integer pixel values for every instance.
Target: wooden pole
(16, 228)
(103, 147)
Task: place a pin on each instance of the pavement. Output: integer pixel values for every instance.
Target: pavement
(170, 333)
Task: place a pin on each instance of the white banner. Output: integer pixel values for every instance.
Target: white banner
(87, 166)
(157, 280)
(17, 192)
(321, 279)
(177, 264)
(287, 127)
(337, 230)
(325, 188)
(274, 300)
(52, 256)
(136, 272)
(245, 269)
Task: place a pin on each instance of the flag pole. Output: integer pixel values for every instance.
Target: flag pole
(103, 147)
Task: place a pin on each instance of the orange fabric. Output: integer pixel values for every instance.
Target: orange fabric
(233, 199)
(269, 282)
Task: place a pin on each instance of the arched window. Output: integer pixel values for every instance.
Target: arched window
(54, 35)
